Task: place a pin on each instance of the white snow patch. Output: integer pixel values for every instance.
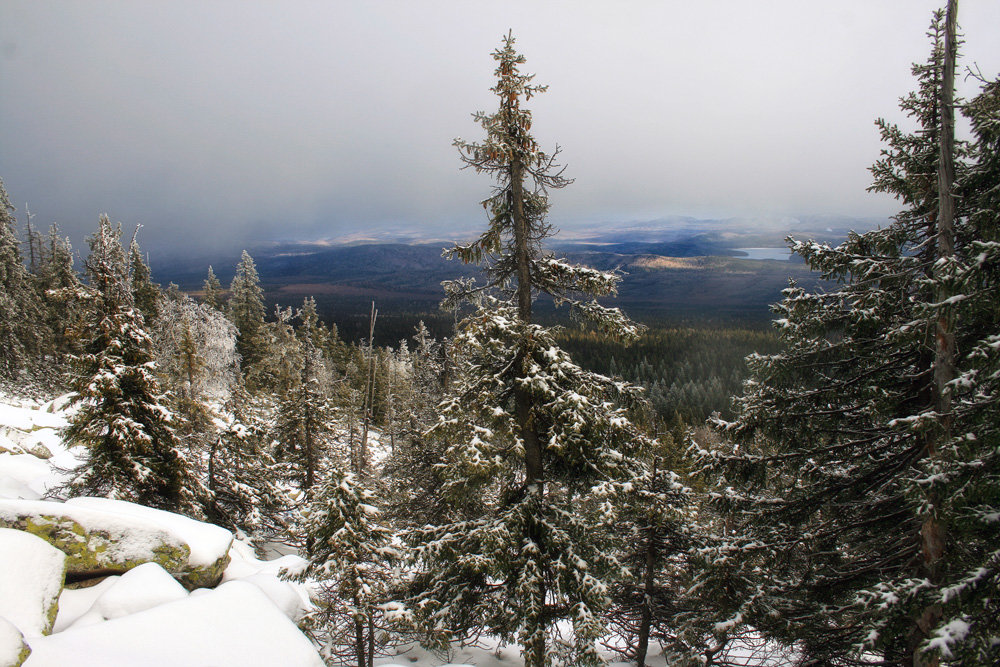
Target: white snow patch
(31, 577)
(291, 597)
(28, 419)
(24, 476)
(947, 636)
(75, 602)
(234, 624)
(139, 589)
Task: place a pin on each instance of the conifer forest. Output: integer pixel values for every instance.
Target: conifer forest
(822, 491)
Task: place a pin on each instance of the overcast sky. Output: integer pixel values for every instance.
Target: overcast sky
(228, 122)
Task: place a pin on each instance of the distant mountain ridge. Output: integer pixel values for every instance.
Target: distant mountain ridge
(685, 269)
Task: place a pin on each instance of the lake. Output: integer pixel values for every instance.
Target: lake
(766, 253)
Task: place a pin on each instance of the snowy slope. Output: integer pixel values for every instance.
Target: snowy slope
(145, 617)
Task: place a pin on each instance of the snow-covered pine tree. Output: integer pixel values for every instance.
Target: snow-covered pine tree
(195, 348)
(213, 290)
(311, 328)
(399, 395)
(61, 291)
(350, 557)
(20, 312)
(132, 452)
(304, 425)
(182, 367)
(411, 471)
(537, 445)
(246, 310)
(966, 478)
(145, 292)
(656, 533)
(244, 481)
(839, 478)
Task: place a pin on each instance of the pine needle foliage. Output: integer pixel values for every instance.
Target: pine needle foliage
(132, 451)
(19, 306)
(844, 461)
(537, 448)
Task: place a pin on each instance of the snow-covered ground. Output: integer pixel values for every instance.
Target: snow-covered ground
(145, 616)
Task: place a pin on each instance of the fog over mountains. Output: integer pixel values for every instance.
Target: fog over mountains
(676, 269)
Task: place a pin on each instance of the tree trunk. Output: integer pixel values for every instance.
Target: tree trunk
(932, 532)
(532, 446)
(371, 641)
(360, 650)
(944, 358)
(534, 650)
(359, 643)
(646, 620)
(369, 395)
(308, 443)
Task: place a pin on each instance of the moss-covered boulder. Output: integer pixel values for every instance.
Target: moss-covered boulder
(13, 649)
(32, 573)
(208, 544)
(96, 543)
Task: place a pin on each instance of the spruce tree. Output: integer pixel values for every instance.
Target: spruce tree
(213, 290)
(350, 557)
(966, 477)
(411, 471)
(245, 492)
(62, 294)
(246, 310)
(145, 292)
(655, 526)
(537, 446)
(845, 477)
(132, 452)
(195, 348)
(19, 309)
(303, 428)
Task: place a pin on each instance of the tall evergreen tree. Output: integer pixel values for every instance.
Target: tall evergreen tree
(411, 471)
(536, 444)
(61, 291)
(246, 310)
(132, 452)
(848, 444)
(195, 347)
(213, 290)
(965, 478)
(19, 309)
(145, 292)
(656, 534)
(243, 479)
(350, 557)
(304, 422)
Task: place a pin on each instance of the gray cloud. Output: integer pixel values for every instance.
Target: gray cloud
(226, 122)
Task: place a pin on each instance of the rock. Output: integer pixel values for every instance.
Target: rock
(32, 573)
(96, 543)
(284, 594)
(13, 650)
(8, 446)
(58, 404)
(14, 441)
(292, 597)
(209, 544)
